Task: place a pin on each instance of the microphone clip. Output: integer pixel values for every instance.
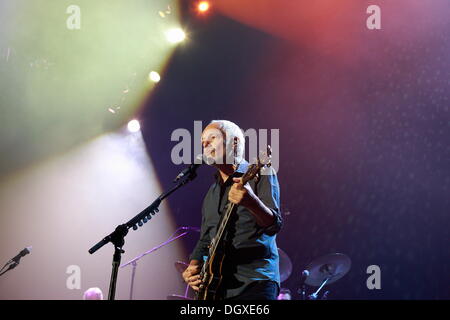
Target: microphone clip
(191, 171)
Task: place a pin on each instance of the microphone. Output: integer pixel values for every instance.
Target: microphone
(21, 254)
(191, 170)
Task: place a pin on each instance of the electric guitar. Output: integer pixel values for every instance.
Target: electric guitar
(211, 272)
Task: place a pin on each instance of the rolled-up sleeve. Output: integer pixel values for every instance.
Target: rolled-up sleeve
(268, 191)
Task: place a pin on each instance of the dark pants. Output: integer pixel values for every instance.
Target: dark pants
(259, 290)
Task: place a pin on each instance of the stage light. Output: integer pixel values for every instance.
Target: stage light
(203, 6)
(101, 183)
(76, 101)
(154, 76)
(175, 35)
(134, 126)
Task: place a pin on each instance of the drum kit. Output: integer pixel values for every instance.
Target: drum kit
(323, 271)
(319, 273)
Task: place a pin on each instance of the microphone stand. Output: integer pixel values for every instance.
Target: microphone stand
(117, 237)
(134, 261)
(302, 290)
(11, 265)
(14, 262)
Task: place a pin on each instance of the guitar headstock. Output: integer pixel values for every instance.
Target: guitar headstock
(264, 160)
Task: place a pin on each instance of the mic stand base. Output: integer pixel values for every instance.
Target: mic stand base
(132, 279)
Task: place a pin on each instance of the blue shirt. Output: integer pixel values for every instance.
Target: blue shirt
(252, 254)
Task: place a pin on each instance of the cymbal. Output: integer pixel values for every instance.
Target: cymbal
(333, 266)
(285, 265)
(177, 297)
(181, 266)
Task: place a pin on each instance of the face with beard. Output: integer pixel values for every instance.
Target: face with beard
(213, 142)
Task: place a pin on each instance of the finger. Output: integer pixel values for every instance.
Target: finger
(195, 283)
(238, 186)
(190, 272)
(186, 275)
(237, 193)
(195, 288)
(232, 199)
(193, 271)
(194, 278)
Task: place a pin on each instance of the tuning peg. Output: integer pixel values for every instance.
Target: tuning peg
(140, 223)
(135, 227)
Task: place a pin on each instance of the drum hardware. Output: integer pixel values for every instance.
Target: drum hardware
(181, 266)
(321, 272)
(173, 237)
(285, 265)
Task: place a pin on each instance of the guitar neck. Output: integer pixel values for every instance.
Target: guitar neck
(218, 238)
(223, 225)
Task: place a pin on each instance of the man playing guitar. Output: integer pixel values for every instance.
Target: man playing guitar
(249, 266)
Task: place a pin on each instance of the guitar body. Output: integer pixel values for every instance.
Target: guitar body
(212, 279)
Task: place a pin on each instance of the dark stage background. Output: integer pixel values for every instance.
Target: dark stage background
(364, 139)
